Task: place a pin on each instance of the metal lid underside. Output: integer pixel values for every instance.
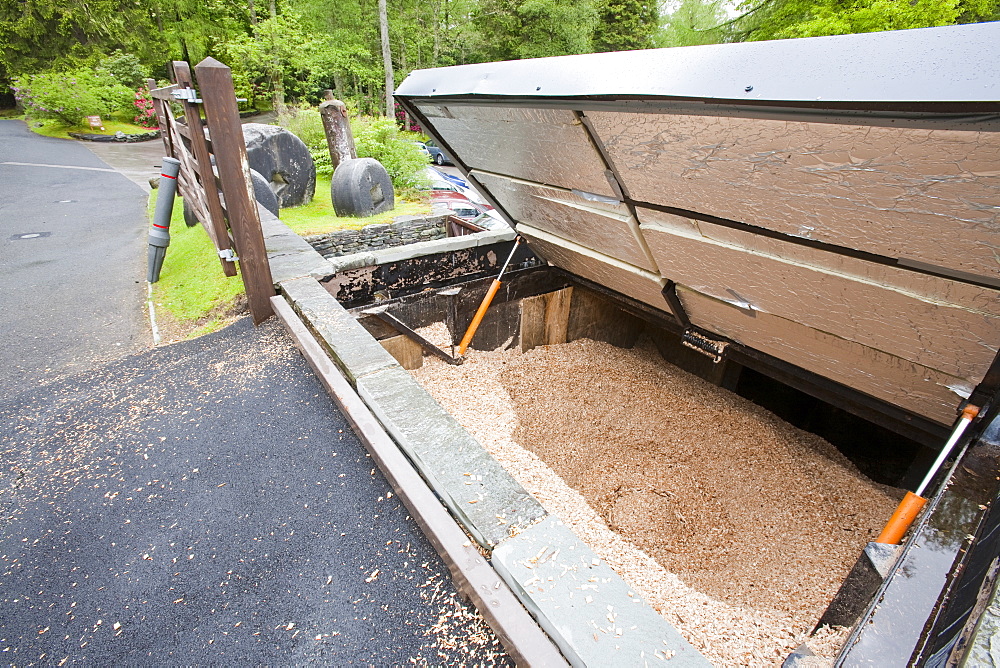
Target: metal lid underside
(842, 216)
(947, 64)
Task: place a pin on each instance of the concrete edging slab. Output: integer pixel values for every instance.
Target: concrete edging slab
(510, 521)
(488, 502)
(473, 575)
(594, 617)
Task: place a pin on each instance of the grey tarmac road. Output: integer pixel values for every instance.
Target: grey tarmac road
(199, 503)
(72, 272)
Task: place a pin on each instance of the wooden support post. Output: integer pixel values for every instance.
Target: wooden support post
(406, 351)
(545, 319)
(339, 138)
(532, 323)
(216, 226)
(222, 113)
(557, 315)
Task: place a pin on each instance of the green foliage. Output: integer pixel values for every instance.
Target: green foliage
(276, 54)
(306, 124)
(318, 216)
(192, 287)
(378, 138)
(69, 96)
(693, 22)
(296, 48)
(623, 25)
(52, 127)
(512, 29)
(975, 11)
(37, 35)
(780, 19)
(381, 139)
(126, 69)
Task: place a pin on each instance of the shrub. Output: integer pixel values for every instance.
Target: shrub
(145, 111)
(381, 139)
(69, 96)
(306, 124)
(377, 138)
(125, 68)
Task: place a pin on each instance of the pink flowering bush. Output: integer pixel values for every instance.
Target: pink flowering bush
(401, 119)
(70, 96)
(145, 114)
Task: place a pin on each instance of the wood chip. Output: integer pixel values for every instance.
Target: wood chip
(736, 526)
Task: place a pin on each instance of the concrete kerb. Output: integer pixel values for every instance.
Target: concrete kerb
(524, 640)
(484, 498)
(543, 562)
(594, 617)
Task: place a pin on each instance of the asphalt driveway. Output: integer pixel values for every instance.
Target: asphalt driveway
(205, 502)
(199, 503)
(72, 263)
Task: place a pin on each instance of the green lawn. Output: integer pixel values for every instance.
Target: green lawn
(192, 289)
(318, 216)
(193, 297)
(53, 128)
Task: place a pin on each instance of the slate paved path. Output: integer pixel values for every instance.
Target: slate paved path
(206, 503)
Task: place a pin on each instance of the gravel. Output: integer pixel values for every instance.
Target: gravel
(736, 526)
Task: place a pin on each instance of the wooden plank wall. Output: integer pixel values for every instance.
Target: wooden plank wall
(896, 294)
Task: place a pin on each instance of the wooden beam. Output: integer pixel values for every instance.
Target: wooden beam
(532, 322)
(223, 117)
(405, 350)
(545, 319)
(195, 133)
(339, 139)
(557, 315)
(163, 120)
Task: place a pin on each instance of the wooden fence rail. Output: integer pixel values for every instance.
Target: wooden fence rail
(214, 176)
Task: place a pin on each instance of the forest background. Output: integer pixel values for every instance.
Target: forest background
(284, 51)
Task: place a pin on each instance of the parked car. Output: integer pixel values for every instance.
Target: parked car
(440, 180)
(422, 147)
(437, 155)
(490, 220)
(456, 204)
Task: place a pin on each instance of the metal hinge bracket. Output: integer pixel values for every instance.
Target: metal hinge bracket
(186, 94)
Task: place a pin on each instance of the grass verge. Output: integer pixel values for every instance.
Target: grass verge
(193, 297)
(54, 128)
(318, 216)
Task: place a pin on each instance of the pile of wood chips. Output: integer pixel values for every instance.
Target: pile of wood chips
(736, 526)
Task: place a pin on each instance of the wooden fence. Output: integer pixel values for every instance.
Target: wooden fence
(214, 175)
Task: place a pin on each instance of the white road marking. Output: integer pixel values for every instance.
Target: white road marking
(36, 164)
(152, 315)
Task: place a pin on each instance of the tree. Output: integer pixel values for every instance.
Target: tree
(780, 19)
(41, 34)
(277, 47)
(693, 22)
(513, 29)
(623, 25)
(383, 29)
